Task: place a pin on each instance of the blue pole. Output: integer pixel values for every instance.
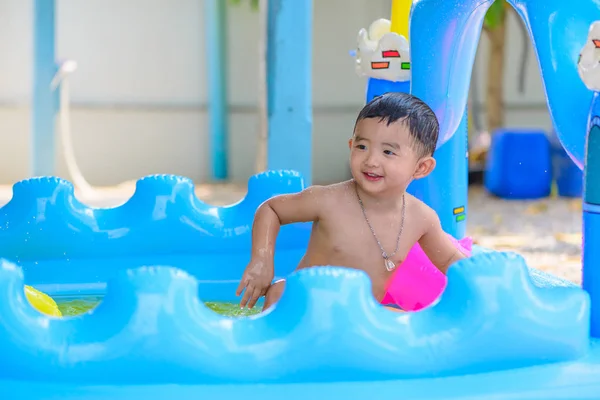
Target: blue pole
(591, 216)
(215, 17)
(446, 188)
(289, 80)
(45, 101)
(377, 87)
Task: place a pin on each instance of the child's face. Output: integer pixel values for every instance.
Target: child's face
(382, 156)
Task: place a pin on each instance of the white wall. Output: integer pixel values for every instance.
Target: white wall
(139, 94)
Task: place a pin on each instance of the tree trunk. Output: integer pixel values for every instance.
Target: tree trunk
(495, 78)
(263, 121)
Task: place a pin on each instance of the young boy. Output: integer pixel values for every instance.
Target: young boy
(369, 222)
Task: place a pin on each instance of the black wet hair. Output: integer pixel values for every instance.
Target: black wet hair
(421, 121)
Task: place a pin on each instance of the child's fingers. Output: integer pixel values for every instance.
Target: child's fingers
(241, 286)
(255, 297)
(247, 296)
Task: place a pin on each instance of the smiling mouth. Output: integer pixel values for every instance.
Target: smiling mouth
(371, 176)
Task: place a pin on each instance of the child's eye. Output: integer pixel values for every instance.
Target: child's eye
(389, 153)
(361, 146)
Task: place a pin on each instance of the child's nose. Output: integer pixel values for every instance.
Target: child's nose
(372, 160)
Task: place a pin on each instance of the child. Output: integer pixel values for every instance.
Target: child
(369, 222)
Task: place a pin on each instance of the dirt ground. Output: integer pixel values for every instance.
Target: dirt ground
(546, 232)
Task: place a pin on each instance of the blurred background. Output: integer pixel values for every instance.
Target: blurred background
(138, 99)
(138, 104)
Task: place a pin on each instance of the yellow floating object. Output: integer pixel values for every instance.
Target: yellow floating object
(42, 302)
(401, 16)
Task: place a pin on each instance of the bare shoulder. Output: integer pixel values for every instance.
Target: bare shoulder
(415, 205)
(326, 194)
(426, 216)
(331, 197)
(343, 189)
(310, 204)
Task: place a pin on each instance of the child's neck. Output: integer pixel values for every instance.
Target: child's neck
(385, 202)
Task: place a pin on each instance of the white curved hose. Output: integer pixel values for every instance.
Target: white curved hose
(61, 78)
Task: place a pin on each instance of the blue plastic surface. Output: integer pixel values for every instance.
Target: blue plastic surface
(45, 229)
(327, 327)
(591, 193)
(44, 101)
(591, 255)
(446, 33)
(215, 25)
(152, 328)
(591, 214)
(519, 164)
(377, 87)
(567, 175)
(289, 86)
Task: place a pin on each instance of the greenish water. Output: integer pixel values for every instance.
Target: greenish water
(75, 306)
(70, 307)
(233, 309)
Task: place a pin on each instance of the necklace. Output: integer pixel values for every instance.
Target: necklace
(387, 261)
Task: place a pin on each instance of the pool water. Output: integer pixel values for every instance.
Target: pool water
(70, 306)
(75, 306)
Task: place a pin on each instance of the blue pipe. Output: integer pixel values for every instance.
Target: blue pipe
(591, 215)
(45, 101)
(215, 17)
(289, 80)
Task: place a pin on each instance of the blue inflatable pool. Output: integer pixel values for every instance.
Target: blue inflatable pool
(499, 329)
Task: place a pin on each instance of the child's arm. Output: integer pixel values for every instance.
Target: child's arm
(304, 206)
(285, 209)
(436, 244)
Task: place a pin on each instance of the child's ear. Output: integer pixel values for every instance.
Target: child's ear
(424, 167)
(350, 143)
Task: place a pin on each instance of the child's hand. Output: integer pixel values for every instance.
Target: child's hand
(256, 281)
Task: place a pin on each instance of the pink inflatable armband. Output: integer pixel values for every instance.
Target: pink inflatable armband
(417, 283)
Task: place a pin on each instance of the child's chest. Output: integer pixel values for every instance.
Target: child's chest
(366, 240)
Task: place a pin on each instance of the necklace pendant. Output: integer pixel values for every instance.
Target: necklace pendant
(389, 265)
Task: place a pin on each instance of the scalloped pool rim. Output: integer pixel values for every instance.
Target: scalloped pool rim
(491, 317)
(44, 220)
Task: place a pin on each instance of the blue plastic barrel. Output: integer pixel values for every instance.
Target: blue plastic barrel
(519, 164)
